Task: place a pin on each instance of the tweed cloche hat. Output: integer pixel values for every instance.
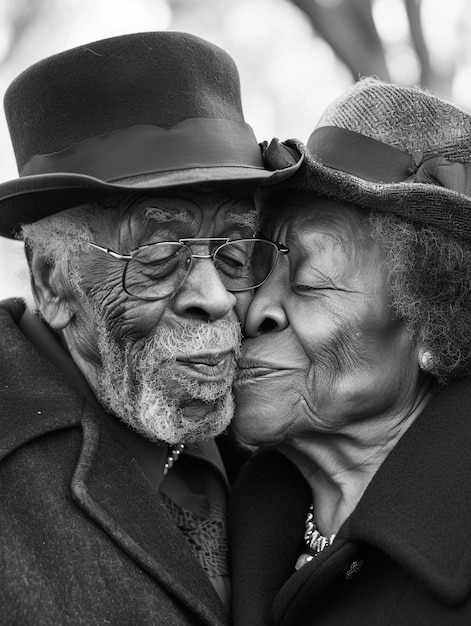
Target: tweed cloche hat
(392, 148)
(150, 111)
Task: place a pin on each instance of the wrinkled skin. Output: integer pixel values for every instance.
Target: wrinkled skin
(130, 322)
(328, 372)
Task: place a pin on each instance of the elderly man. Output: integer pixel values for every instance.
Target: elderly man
(135, 203)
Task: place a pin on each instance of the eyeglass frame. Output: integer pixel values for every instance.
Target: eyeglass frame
(279, 247)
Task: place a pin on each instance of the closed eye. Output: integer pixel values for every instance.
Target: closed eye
(316, 281)
(309, 289)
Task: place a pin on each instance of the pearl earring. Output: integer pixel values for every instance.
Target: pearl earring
(426, 361)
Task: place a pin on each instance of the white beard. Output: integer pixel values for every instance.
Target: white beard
(150, 393)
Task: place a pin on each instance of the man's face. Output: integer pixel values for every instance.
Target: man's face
(165, 367)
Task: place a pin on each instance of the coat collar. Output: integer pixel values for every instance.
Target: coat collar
(417, 508)
(32, 391)
(38, 399)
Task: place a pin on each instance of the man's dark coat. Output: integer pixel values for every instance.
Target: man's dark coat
(410, 533)
(84, 537)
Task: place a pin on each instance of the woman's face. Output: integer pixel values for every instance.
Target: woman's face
(324, 350)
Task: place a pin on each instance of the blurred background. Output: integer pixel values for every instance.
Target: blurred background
(294, 56)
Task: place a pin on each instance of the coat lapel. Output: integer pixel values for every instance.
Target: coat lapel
(418, 506)
(297, 596)
(112, 489)
(269, 503)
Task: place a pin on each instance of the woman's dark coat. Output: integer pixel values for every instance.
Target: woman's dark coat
(410, 534)
(84, 537)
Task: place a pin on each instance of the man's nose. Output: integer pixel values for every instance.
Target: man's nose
(266, 312)
(203, 295)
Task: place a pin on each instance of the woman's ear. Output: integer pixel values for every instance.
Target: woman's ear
(50, 292)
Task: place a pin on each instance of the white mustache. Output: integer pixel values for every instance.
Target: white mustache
(189, 338)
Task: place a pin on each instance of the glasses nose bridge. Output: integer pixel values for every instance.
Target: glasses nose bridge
(201, 241)
(214, 272)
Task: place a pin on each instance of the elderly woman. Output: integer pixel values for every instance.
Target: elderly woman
(355, 375)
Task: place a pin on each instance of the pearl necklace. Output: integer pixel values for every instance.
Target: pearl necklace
(173, 456)
(313, 539)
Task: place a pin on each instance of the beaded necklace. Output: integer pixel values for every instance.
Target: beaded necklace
(173, 456)
(313, 539)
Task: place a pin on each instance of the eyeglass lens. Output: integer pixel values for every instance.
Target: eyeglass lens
(159, 270)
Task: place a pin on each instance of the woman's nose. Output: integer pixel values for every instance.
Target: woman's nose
(203, 295)
(266, 312)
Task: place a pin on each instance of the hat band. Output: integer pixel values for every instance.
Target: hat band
(146, 149)
(378, 162)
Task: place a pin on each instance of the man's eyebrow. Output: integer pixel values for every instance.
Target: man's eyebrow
(248, 219)
(165, 215)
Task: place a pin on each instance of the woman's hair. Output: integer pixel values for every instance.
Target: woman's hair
(430, 280)
(430, 283)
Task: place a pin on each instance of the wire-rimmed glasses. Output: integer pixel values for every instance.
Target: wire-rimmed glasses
(158, 270)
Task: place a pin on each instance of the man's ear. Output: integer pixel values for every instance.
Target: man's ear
(50, 292)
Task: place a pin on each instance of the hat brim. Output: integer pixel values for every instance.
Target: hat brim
(31, 198)
(417, 202)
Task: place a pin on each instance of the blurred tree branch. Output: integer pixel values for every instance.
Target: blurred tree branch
(349, 28)
(18, 17)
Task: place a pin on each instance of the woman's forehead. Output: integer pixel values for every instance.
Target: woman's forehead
(328, 235)
(308, 215)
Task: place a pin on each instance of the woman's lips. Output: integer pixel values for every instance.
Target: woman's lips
(254, 369)
(270, 356)
(251, 372)
(209, 367)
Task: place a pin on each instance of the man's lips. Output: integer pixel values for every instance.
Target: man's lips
(208, 358)
(207, 367)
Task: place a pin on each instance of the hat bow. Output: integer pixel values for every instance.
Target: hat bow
(438, 170)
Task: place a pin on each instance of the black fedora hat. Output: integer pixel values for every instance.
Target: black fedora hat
(150, 111)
